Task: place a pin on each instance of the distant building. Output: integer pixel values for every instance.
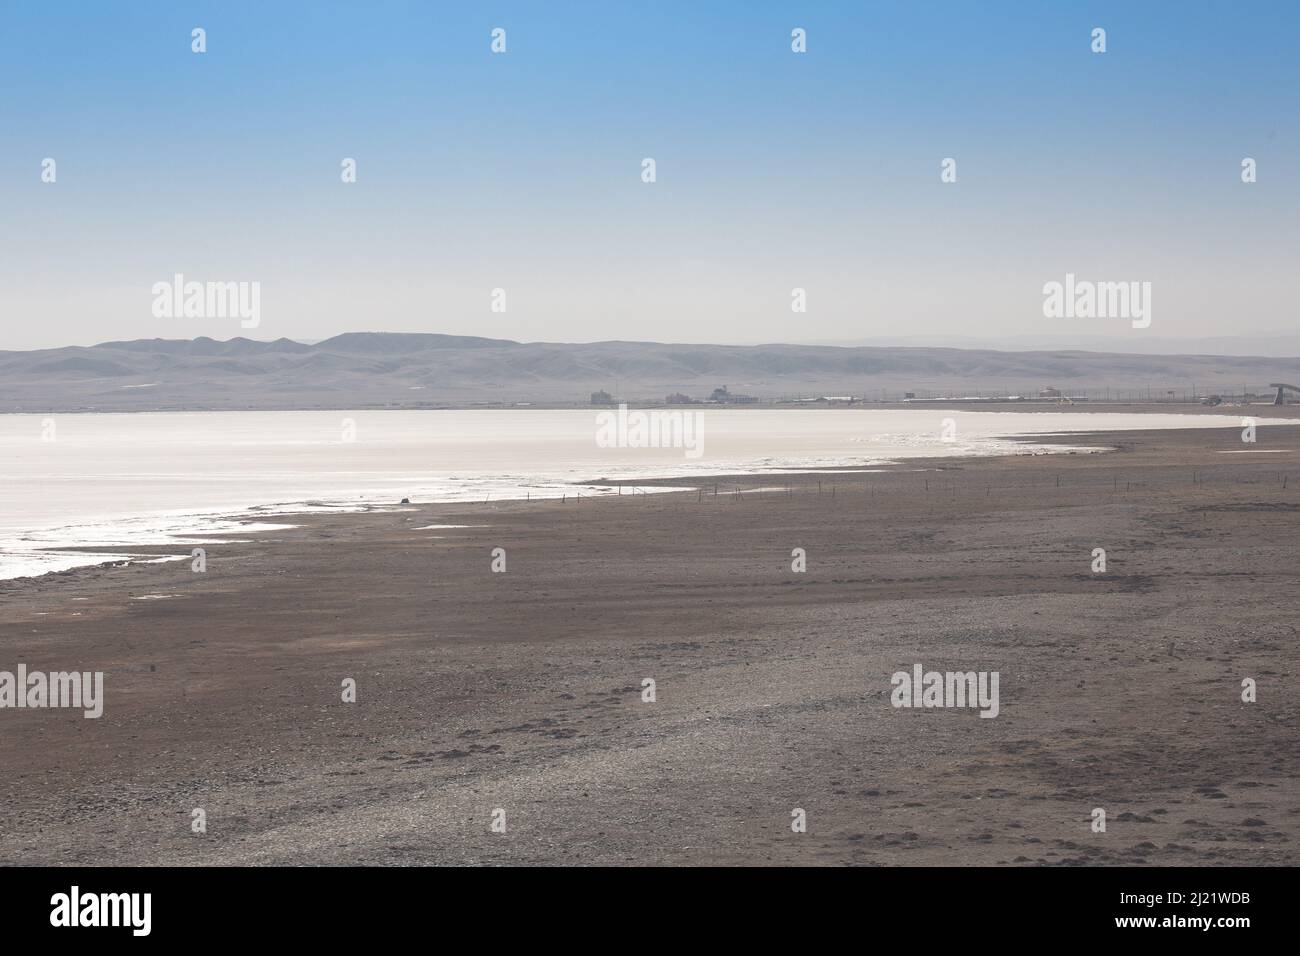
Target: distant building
(677, 398)
(602, 398)
(722, 395)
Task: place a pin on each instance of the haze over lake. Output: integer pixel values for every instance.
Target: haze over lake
(91, 480)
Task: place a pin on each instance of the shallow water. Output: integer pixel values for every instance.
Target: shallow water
(93, 480)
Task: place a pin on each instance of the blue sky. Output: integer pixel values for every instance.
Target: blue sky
(522, 171)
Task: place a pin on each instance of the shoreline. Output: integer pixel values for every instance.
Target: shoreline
(522, 690)
(1260, 409)
(183, 541)
(1027, 406)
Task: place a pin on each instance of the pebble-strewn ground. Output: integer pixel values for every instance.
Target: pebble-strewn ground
(522, 690)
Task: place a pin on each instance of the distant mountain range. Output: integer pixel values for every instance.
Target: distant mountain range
(383, 369)
(1275, 344)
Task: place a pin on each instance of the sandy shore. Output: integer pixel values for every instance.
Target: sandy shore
(522, 690)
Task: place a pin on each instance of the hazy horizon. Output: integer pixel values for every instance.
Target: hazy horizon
(1274, 344)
